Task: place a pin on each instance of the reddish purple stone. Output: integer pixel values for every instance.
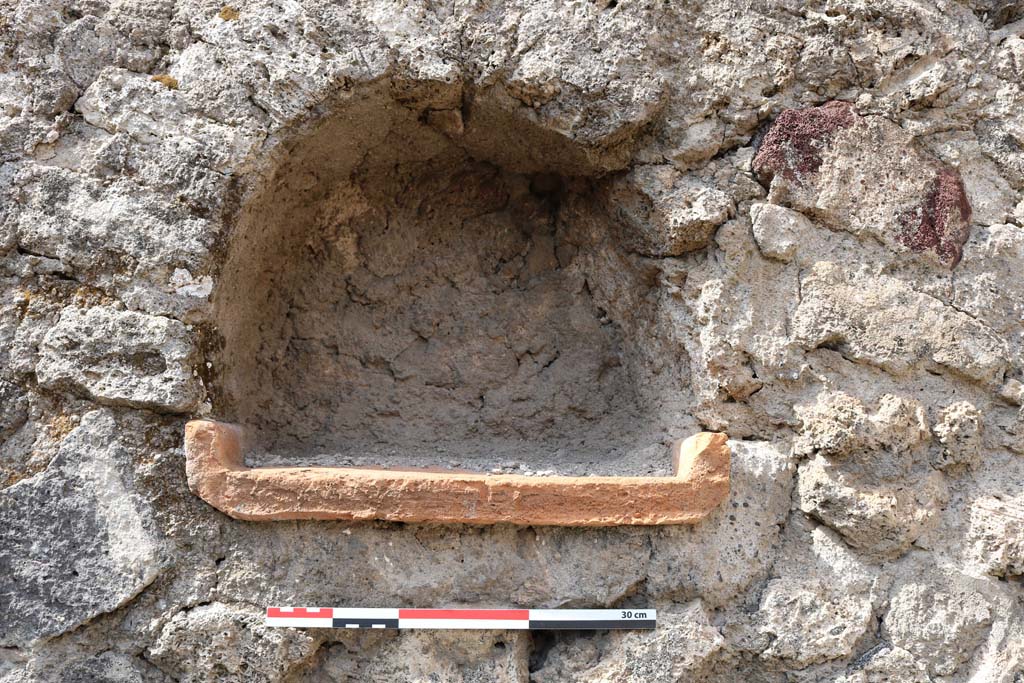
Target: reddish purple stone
(942, 223)
(794, 143)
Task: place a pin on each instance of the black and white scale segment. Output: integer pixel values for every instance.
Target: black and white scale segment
(511, 619)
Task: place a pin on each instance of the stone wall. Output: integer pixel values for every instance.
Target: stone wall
(531, 237)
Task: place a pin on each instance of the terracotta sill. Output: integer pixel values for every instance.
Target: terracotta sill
(217, 473)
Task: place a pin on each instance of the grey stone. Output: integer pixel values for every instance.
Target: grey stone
(543, 567)
(225, 642)
(75, 540)
(691, 563)
(13, 408)
(103, 667)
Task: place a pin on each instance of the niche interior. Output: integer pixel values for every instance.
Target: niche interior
(425, 281)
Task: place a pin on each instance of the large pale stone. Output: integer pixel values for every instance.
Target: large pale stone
(822, 160)
(810, 622)
(121, 358)
(883, 321)
(857, 481)
(941, 625)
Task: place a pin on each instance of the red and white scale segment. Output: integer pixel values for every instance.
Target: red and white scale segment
(511, 619)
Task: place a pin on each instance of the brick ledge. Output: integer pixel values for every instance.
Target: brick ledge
(217, 473)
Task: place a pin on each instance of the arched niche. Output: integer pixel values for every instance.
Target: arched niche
(423, 279)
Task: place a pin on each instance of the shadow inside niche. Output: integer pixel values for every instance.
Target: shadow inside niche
(404, 292)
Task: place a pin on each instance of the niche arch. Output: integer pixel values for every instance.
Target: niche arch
(425, 279)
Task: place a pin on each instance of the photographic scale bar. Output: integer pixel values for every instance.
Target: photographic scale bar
(478, 619)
